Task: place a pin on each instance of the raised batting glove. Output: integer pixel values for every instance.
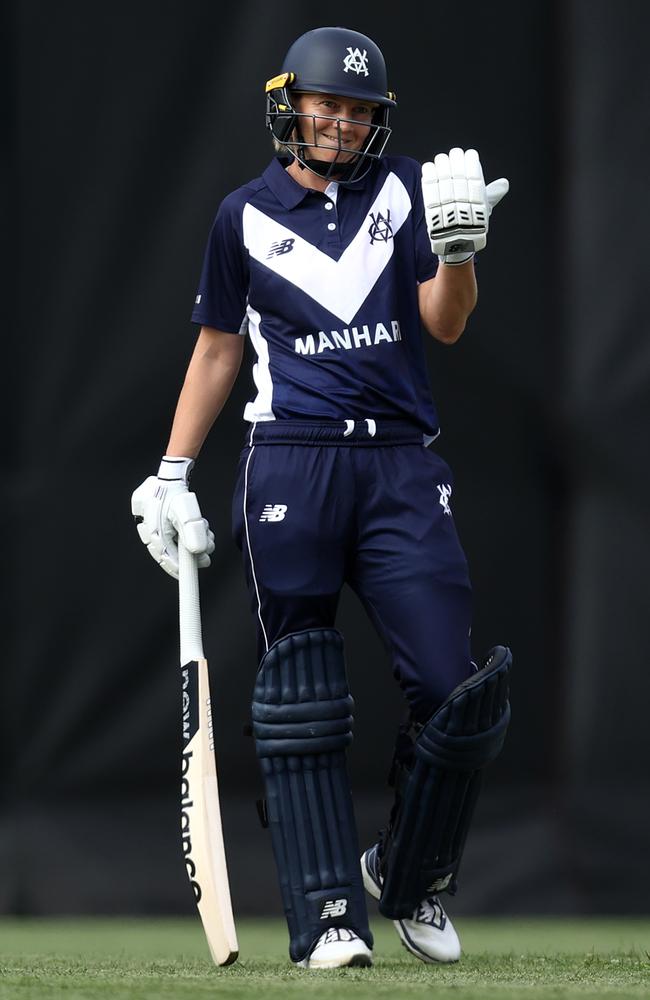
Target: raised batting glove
(457, 204)
(164, 510)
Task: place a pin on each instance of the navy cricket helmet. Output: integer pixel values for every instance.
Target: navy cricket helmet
(334, 61)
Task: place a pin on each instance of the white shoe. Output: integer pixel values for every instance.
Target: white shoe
(336, 948)
(429, 934)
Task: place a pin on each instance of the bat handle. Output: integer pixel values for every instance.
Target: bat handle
(189, 606)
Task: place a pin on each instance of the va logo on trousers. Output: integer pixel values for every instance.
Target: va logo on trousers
(445, 492)
(274, 512)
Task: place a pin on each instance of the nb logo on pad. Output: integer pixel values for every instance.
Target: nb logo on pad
(334, 908)
(283, 246)
(274, 512)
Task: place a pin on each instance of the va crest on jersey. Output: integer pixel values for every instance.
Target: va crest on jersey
(380, 228)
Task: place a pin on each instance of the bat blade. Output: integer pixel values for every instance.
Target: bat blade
(202, 833)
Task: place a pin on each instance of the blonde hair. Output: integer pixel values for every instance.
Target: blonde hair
(281, 148)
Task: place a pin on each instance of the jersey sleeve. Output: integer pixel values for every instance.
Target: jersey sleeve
(425, 260)
(223, 289)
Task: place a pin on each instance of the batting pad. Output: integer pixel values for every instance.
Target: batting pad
(437, 792)
(302, 723)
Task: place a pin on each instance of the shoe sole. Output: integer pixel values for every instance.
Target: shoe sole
(356, 962)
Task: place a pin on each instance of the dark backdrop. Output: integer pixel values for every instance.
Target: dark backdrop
(127, 123)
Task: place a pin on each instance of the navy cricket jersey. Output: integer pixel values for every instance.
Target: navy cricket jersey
(326, 286)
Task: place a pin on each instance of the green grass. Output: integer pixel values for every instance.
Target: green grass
(146, 959)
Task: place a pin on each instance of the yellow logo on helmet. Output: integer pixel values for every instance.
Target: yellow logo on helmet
(280, 81)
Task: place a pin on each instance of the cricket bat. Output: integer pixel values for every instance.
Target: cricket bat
(201, 831)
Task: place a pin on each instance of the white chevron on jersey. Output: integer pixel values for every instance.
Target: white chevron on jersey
(343, 285)
(262, 407)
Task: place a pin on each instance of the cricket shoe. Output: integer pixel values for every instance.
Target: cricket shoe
(429, 934)
(336, 948)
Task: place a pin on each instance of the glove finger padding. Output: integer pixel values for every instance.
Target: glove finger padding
(203, 560)
(163, 550)
(460, 184)
(147, 506)
(476, 194)
(185, 515)
(431, 196)
(457, 204)
(472, 164)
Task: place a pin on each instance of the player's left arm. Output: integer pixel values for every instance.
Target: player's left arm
(447, 300)
(457, 208)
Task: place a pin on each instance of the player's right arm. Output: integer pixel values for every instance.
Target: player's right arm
(163, 506)
(210, 377)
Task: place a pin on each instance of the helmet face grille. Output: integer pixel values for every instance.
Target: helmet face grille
(297, 131)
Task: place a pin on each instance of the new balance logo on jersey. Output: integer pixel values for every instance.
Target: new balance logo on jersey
(445, 492)
(334, 908)
(281, 247)
(380, 229)
(356, 61)
(274, 512)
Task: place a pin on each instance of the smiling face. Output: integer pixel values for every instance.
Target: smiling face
(335, 127)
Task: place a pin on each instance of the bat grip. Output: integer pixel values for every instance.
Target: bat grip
(189, 606)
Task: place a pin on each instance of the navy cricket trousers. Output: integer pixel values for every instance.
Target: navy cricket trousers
(318, 505)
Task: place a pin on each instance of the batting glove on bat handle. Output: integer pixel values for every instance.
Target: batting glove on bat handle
(165, 510)
(458, 204)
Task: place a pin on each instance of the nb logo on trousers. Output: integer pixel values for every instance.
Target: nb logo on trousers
(334, 908)
(274, 512)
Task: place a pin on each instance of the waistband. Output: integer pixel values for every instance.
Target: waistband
(357, 433)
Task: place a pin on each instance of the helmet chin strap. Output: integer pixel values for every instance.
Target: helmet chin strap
(328, 169)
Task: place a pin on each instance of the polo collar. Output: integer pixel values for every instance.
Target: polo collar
(288, 191)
